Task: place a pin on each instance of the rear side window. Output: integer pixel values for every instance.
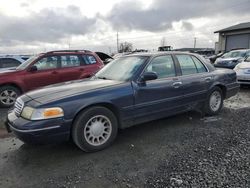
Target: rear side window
(70, 61)
(163, 66)
(8, 62)
(190, 65)
(187, 64)
(89, 59)
(200, 67)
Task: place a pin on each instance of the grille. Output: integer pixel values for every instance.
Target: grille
(18, 107)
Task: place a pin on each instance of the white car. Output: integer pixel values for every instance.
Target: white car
(11, 61)
(243, 72)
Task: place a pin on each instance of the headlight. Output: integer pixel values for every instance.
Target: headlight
(39, 114)
(236, 68)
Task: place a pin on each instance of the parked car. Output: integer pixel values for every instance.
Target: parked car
(214, 57)
(46, 69)
(11, 61)
(232, 58)
(104, 57)
(130, 90)
(243, 72)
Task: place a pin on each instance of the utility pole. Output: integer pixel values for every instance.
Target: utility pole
(117, 41)
(195, 42)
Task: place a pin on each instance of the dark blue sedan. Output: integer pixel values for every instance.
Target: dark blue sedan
(130, 90)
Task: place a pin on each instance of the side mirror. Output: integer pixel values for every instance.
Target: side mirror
(149, 76)
(33, 68)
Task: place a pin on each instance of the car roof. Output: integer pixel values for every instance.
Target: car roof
(240, 50)
(152, 54)
(16, 57)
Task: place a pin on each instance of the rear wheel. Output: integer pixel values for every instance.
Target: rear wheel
(214, 102)
(94, 129)
(8, 96)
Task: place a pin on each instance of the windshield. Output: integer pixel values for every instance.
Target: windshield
(234, 54)
(121, 69)
(27, 63)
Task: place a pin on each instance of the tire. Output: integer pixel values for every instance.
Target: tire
(95, 129)
(8, 96)
(214, 102)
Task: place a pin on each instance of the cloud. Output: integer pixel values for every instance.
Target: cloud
(159, 16)
(55, 26)
(187, 26)
(48, 25)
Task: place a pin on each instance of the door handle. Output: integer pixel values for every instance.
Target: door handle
(81, 69)
(54, 72)
(177, 84)
(208, 79)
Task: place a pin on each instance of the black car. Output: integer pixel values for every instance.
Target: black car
(231, 59)
(130, 90)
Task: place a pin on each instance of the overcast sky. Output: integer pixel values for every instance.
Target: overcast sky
(32, 26)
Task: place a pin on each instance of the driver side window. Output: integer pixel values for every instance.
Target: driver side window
(47, 63)
(163, 66)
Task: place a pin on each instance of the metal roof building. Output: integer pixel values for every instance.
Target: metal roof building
(234, 37)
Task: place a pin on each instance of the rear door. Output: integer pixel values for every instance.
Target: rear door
(196, 79)
(91, 65)
(71, 67)
(161, 97)
(46, 74)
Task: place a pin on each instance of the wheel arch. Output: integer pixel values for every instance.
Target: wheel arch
(107, 105)
(223, 89)
(13, 85)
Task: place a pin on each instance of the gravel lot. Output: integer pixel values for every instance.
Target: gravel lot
(182, 151)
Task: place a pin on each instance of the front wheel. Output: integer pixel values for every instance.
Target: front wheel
(94, 129)
(214, 102)
(8, 96)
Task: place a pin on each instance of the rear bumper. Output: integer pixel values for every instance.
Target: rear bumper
(38, 132)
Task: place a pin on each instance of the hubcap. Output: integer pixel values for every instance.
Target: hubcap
(215, 101)
(8, 97)
(97, 130)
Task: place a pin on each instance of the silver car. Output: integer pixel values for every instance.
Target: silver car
(243, 71)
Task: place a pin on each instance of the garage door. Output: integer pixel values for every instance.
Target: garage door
(237, 41)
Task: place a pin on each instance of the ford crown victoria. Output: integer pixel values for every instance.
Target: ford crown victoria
(130, 90)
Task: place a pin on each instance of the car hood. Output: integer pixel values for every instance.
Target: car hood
(244, 65)
(66, 89)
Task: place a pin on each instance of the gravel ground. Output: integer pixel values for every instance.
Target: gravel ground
(182, 151)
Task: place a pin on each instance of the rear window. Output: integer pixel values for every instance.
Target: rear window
(89, 59)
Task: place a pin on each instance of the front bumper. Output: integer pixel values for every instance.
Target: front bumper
(38, 132)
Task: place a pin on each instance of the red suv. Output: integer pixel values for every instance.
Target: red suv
(45, 69)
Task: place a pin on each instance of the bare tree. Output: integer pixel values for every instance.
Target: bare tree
(126, 47)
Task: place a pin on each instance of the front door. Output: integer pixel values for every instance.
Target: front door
(161, 97)
(46, 74)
